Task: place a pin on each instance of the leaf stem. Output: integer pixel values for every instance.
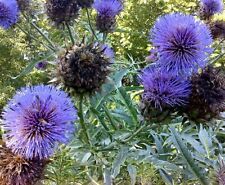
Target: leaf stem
(82, 123)
(43, 35)
(123, 94)
(111, 120)
(89, 22)
(70, 33)
(34, 38)
(135, 133)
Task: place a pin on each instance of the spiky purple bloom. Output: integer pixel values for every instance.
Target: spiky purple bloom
(9, 13)
(41, 65)
(107, 11)
(108, 8)
(211, 7)
(183, 43)
(152, 57)
(37, 119)
(164, 89)
(108, 52)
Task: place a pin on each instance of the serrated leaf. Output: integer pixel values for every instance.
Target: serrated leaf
(108, 88)
(159, 145)
(86, 157)
(107, 177)
(206, 140)
(194, 143)
(177, 141)
(117, 78)
(128, 102)
(119, 160)
(161, 164)
(133, 173)
(30, 67)
(166, 177)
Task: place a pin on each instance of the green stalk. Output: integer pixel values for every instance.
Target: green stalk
(89, 22)
(34, 38)
(104, 37)
(43, 35)
(102, 122)
(135, 133)
(82, 123)
(122, 94)
(111, 120)
(70, 33)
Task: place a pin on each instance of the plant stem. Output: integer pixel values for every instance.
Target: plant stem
(43, 35)
(82, 123)
(135, 133)
(70, 33)
(89, 22)
(101, 120)
(104, 37)
(122, 94)
(110, 117)
(34, 38)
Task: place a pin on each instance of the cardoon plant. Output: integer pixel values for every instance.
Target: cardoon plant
(36, 120)
(41, 65)
(24, 4)
(208, 95)
(210, 7)
(85, 3)
(183, 43)
(15, 170)
(107, 11)
(163, 91)
(116, 135)
(218, 29)
(85, 67)
(62, 11)
(9, 13)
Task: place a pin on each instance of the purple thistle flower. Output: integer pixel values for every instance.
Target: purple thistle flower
(183, 43)
(9, 13)
(108, 52)
(107, 11)
(152, 57)
(108, 8)
(41, 65)
(211, 7)
(36, 120)
(164, 89)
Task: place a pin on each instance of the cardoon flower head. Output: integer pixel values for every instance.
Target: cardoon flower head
(85, 3)
(62, 11)
(23, 5)
(218, 29)
(183, 43)
(152, 57)
(164, 89)
(211, 7)
(9, 13)
(41, 65)
(36, 120)
(207, 98)
(15, 170)
(107, 11)
(84, 68)
(108, 52)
